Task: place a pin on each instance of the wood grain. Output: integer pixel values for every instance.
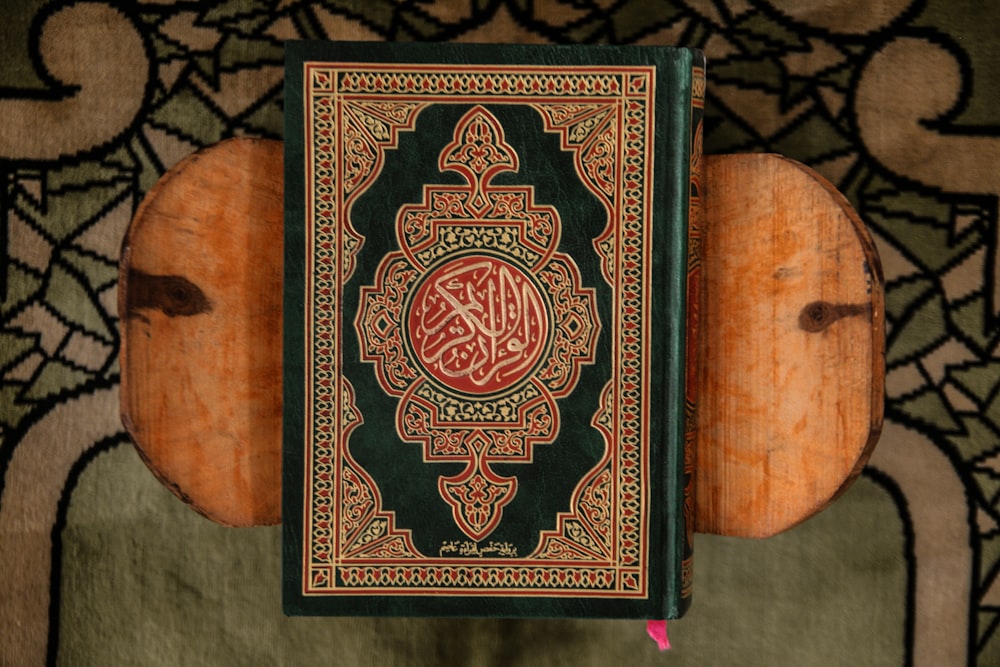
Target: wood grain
(200, 306)
(791, 397)
(792, 347)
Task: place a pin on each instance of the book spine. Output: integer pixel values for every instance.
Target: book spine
(694, 301)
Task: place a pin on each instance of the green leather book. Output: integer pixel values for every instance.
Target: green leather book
(491, 253)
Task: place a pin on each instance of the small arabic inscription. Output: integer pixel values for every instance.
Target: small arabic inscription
(469, 549)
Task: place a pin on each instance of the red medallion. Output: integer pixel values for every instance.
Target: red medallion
(478, 324)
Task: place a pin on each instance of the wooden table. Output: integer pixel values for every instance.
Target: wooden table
(792, 349)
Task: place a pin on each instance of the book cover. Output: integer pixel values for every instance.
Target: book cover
(490, 279)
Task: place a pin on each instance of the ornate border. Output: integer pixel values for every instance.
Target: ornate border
(604, 116)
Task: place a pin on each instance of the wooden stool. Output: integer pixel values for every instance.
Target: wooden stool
(792, 343)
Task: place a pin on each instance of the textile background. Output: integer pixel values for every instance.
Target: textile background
(895, 101)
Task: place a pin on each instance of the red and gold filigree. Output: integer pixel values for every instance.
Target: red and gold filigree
(490, 332)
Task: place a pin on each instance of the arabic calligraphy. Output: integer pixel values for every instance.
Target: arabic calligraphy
(472, 549)
(478, 324)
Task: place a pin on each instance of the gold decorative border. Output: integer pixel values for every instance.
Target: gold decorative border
(598, 111)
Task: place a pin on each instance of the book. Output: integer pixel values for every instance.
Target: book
(491, 279)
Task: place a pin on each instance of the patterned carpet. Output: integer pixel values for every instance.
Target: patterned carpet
(893, 100)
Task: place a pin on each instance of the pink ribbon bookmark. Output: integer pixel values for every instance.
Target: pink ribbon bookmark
(657, 630)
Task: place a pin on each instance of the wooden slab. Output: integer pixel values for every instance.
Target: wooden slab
(200, 302)
(791, 399)
(793, 347)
